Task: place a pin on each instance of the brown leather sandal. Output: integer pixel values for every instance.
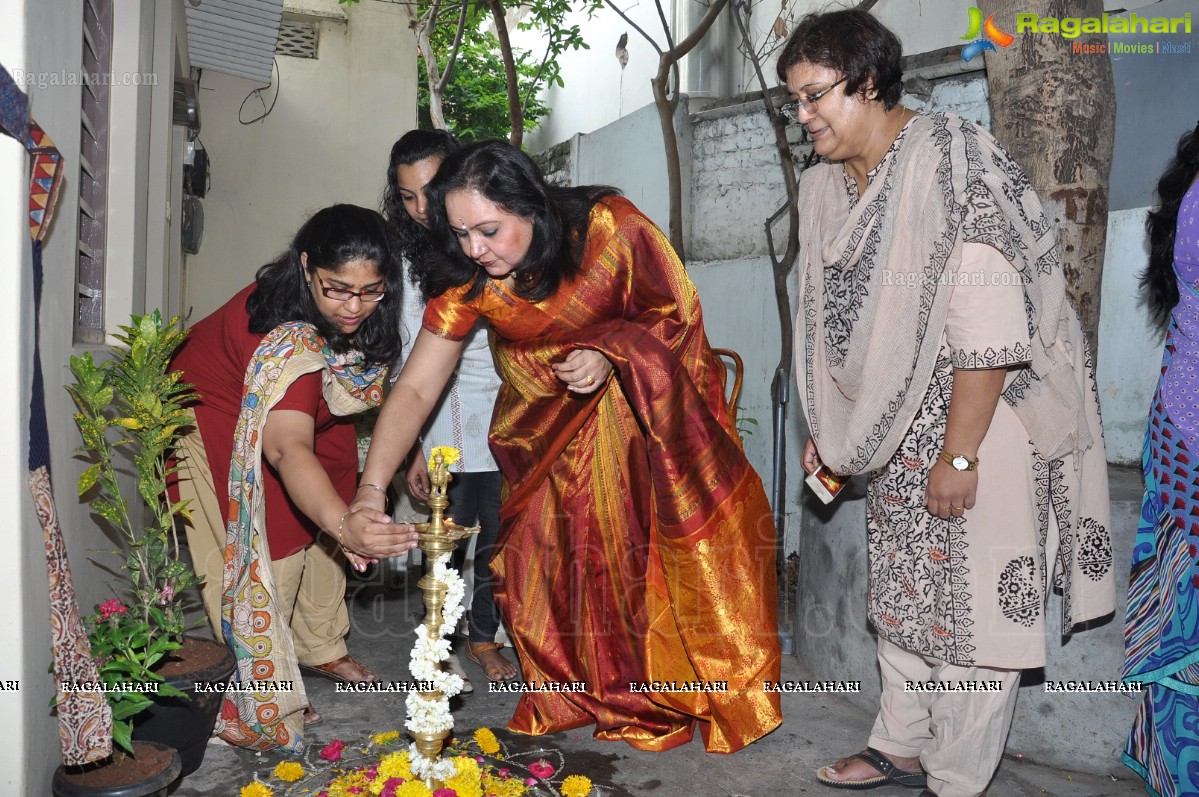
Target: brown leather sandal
(311, 717)
(328, 670)
(473, 649)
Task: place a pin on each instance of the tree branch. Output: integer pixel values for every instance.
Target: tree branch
(636, 27)
(449, 64)
(515, 113)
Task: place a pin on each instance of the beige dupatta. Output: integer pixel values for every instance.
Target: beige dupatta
(875, 285)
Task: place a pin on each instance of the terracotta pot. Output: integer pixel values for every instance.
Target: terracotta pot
(187, 725)
(147, 773)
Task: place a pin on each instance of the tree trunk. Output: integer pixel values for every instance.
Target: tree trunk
(1054, 111)
(515, 107)
(436, 114)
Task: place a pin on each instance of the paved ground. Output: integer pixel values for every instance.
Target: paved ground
(816, 730)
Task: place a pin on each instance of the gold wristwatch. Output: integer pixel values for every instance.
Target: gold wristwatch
(959, 461)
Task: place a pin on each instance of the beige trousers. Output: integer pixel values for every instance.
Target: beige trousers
(958, 736)
(310, 585)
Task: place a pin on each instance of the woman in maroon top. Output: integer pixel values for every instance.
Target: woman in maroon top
(342, 275)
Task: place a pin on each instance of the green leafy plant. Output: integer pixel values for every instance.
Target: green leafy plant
(475, 100)
(745, 426)
(133, 401)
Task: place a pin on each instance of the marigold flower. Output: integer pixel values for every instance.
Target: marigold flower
(449, 455)
(289, 771)
(414, 788)
(256, 789)
(576, 786)
(485, 738)
(385, 738)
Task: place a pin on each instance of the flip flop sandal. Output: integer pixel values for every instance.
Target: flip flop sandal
(888, 773)
(327, 670)
(473, 649)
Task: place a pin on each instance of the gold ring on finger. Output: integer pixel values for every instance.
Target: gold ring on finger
(591, 380)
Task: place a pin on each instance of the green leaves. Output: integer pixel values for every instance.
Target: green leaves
(134, 401)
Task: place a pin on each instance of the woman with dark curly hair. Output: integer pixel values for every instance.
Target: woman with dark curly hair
(937, 352)
(277, 369)
(636, 543)
(1162, 630)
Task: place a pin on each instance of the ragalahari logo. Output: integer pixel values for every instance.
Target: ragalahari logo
(991, 35)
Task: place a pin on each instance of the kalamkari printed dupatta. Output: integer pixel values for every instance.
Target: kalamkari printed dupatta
(250, 619)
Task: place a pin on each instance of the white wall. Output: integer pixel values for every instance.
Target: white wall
(40, 38)
(26, 735)
(326, 141)
(598, 92)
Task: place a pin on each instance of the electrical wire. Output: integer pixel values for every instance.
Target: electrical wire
(258, 93)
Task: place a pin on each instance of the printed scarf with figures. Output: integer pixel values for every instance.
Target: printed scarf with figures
(252, 625)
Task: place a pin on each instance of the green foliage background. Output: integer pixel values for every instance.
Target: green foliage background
(475, 101)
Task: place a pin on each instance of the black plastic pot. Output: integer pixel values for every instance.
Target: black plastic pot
(187, 725)
(91, 780)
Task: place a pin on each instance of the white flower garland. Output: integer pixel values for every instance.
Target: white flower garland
(433, 715)
(441, 769)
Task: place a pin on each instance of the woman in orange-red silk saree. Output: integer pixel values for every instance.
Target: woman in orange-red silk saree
(636, 561)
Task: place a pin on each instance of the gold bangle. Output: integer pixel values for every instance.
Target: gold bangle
(341, 540)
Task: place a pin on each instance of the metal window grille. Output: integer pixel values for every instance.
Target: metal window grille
(298, 38)
(93, 172)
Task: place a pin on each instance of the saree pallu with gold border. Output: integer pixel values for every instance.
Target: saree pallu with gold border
(637, 547)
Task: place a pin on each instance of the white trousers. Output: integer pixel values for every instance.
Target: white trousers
(959, 736)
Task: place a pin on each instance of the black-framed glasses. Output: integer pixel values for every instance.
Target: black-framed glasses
(344, 294)
(807, 102)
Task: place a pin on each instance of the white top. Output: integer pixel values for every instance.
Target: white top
(462, 418)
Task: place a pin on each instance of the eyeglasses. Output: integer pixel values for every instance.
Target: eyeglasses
(344, 295)
(807, 102)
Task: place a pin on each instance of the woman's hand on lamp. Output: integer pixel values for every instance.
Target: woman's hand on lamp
(371, 533)
(583, 371)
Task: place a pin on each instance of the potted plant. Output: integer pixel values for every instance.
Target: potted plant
(133, 402)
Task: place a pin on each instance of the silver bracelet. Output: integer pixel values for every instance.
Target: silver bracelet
(374, 487)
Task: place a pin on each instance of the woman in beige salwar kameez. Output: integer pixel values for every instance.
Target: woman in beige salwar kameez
(938, 352)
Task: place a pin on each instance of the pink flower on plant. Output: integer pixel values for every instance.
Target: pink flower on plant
(110, 607)
(332, 751)
(166, 595)
(542, 768)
